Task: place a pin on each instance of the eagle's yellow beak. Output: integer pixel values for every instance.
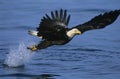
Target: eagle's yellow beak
(76, 31)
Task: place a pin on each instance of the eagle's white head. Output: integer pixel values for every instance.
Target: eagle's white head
(71, 33)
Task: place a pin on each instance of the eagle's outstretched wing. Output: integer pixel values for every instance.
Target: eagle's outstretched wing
(99, 21)
(52, 29)
(51, 25)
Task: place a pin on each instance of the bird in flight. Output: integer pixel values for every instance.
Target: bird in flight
(53, 30)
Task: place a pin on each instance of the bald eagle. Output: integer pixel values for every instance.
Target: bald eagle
(53, 30)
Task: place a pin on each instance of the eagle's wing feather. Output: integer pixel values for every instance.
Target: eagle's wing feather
(51, 25)
(99, 21)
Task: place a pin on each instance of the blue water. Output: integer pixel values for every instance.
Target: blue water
(93, 55)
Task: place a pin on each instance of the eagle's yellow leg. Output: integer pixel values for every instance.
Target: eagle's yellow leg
(33, 48)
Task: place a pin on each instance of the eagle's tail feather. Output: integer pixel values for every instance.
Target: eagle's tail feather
(34, 33)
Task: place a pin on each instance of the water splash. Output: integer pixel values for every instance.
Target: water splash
(18, 57)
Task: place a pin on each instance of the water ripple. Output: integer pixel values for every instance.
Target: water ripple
(88, 10)
(16, 28)
(29, 75)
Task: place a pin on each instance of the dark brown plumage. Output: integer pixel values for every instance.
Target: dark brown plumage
(99, 21)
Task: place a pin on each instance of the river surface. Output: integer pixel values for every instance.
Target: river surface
(93, 55)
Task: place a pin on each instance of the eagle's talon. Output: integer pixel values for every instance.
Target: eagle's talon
(33, 48)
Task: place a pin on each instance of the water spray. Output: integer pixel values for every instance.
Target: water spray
(18, 57)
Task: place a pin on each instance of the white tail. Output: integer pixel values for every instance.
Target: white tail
(34, 33)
